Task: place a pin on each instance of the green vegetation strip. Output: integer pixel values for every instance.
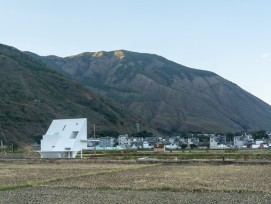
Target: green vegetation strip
(171, 189)
(184, 156)
(13, 186)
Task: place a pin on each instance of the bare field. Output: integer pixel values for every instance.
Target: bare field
(134, 183)
(31, 174)
(101, 196)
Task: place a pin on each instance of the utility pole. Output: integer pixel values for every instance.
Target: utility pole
(137, 127)
(3, 134)
(94, 139)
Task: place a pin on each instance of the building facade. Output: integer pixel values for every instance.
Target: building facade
(124, 141)
(64, 138)
(106, 142)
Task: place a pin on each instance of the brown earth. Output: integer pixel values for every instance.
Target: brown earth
(24, 182)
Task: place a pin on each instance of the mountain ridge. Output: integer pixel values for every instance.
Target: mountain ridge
(169, 96)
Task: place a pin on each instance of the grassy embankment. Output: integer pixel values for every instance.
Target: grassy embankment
(230, 154)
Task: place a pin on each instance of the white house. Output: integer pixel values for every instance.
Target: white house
(217, 142)
(255, 146)
(171, 146)
(124, 141)
(259, 141)
(147, 145)
(64, 138)
(106, 142)
(239, 141)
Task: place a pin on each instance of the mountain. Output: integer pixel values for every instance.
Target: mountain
(167, 95)
(32, 95)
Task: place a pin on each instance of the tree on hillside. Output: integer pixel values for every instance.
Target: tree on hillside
(261, 134)
(110, 133)
(143, 133)
(229, 136)
(37, 138)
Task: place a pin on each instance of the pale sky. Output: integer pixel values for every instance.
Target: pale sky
(229, 37)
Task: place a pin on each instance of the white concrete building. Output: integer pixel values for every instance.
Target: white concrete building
(259, 141)
(147, 145)
(171, 146)
(124, 141)
(217, 142)
(64, 138)
(106, 142)
(255, 146)
(242, 141)
(239, 141)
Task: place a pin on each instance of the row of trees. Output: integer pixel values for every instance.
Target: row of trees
(192, 146)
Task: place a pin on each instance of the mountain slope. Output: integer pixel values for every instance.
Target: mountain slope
(167, 95)
(31, 95)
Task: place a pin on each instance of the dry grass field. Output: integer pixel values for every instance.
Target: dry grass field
(24, 182)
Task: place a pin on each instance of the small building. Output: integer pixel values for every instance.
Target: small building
(159, 147)
(137, 139)
(106, 142)
(136, 145)
(193, 140)
(92, 143)
(264, 145)
(152, 139)
(64, 138)
(259, 141)
(173, 140)
(147, 145)
(171, 146)
(242, 141)
(255, 146)
(218, 142)
(124, 141)
(2, 145)
(239, 142)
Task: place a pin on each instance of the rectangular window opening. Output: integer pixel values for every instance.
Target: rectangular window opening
(74, 134)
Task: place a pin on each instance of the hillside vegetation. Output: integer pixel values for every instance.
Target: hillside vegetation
(32, 95)
(169, 96)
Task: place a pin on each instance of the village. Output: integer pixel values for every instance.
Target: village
(66, 137)
(200, 141)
